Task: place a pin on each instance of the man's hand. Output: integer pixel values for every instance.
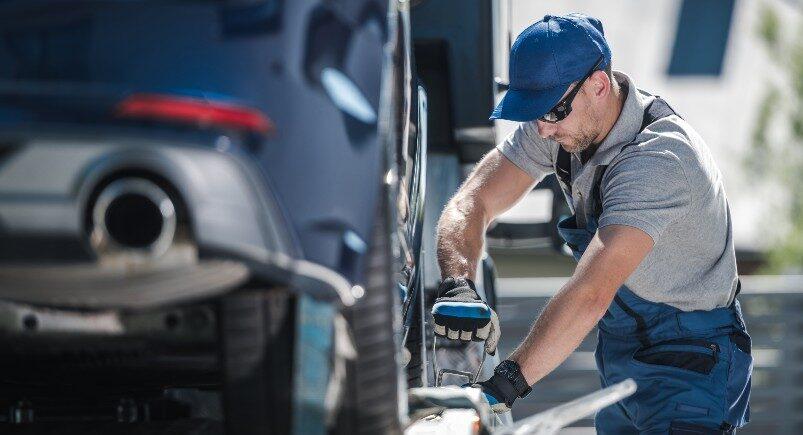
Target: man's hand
(494, 396)
(504, 387)
(460, 314)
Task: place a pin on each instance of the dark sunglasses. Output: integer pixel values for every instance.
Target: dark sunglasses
(564, 106)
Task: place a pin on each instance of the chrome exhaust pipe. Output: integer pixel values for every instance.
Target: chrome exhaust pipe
(133, 215)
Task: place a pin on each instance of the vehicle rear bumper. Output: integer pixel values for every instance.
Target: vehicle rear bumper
(92, 286)
(88, 286)
(238, 231)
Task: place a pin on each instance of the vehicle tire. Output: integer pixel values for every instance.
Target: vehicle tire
(370, 403)
(416, 342)
(489, 280)
(257, 334)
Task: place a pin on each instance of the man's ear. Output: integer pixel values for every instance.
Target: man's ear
(601, 84)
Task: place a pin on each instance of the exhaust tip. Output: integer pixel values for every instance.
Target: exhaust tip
(135, 215)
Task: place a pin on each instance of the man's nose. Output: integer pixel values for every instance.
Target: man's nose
(545, 129)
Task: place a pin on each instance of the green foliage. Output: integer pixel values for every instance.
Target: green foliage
(796, 64)
(769, 27)
(797, 123)
(781, 155)
(787, 256)
(756, 160)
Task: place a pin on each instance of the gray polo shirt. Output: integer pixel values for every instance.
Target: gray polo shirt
(666, 185)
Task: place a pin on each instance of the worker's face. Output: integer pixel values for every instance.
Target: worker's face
(576, 132)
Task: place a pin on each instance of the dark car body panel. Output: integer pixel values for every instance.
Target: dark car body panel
(278, 215)
(68, 63)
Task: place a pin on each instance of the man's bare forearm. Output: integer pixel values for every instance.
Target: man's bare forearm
(566, 320)
(461, 232)
(493, 186)
(613, 254)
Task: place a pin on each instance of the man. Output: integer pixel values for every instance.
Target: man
(650, 228)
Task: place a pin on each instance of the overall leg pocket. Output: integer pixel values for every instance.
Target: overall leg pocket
(683, 428)
(692, 355)
(682, 382)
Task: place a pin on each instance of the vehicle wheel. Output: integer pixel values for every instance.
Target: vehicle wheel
(370, 403)
(416, 342)
(257, 331)
(489, 280)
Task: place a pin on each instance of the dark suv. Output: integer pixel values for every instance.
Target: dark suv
(210, 215)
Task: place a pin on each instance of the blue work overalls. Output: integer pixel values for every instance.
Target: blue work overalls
(692, 368)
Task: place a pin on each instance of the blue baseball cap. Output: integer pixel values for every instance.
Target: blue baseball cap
(545, 59)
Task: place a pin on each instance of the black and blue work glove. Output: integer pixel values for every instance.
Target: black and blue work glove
(460, 314)
(504, 387)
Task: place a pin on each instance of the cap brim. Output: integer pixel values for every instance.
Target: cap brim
(527, 105)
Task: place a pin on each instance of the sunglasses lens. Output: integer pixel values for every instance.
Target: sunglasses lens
(550, 117)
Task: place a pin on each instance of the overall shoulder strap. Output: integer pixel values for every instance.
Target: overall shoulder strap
(563, 170)
(657, 109)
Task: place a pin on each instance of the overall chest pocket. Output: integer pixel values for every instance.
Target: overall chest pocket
(695, 355)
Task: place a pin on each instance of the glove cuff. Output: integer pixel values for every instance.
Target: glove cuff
(453, 282)
(510, 381)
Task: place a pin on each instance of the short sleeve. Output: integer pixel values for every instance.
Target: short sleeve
(530, 152)
(647, 190)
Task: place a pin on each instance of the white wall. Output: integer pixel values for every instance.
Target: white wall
(722, 109)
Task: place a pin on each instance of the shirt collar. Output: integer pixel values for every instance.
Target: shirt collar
(627, 127)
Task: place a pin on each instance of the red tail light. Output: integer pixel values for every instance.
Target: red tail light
(193, 111)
